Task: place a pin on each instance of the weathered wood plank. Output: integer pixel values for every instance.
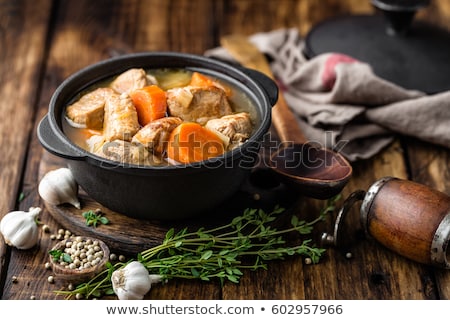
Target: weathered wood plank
(23, 28)
(373, 272)
(82, 37)
(331, 278)
(85, 32)
(78, 39)
(183, 26)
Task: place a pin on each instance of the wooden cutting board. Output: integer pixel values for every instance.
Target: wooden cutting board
(129, 235)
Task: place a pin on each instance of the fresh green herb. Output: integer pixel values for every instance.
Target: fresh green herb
(94, 217)
(21, 197)
(223, 253)
(57, 255)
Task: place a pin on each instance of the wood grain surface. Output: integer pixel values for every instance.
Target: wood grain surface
(42, 42)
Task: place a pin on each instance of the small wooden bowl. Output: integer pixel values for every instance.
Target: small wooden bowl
(78, 275)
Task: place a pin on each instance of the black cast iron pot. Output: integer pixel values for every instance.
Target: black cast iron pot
(163, 193)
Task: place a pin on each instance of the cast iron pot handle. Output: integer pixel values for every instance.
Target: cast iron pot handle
(52, 143)
(269, 86)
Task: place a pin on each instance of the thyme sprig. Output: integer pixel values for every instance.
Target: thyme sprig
(223, 253)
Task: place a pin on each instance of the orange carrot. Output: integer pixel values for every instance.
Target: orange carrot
(190, 142)
(200, 80)
(150, 103)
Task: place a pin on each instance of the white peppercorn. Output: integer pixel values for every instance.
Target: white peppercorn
(79, 296)
(81, 253)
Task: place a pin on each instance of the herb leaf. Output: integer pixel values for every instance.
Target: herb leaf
(247, 242)
(58, 255)
(21, 197)
(94, 217)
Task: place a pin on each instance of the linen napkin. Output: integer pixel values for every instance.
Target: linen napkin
(342, 104)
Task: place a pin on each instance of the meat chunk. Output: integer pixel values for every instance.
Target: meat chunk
(156, 133)
(132, 79)
(238, 127)
(198, 104)
(121, 120)
(127, 152)
(88, 111)
(95, 142)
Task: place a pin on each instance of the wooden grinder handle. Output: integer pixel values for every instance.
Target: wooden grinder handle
(409, 218)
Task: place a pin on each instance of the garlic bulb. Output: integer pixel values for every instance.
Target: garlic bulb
(19, 228)
(133, 281)
(58, 187)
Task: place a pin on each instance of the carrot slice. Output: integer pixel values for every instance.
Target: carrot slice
(200, 80)
(190, 142)
(150, 103)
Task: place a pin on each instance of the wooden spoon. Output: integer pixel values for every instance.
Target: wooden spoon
(317, 172)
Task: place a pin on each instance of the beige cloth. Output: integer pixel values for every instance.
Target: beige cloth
(342, 104)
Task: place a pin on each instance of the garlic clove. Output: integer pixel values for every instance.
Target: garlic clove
(132, 282)
(20, 229)
(155, 278)
(59, 186)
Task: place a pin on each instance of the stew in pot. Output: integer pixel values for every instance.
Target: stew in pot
(160, 117)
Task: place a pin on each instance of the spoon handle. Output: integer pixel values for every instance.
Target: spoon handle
(249, 56)
(285, 123)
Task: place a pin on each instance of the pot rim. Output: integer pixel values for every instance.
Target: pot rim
(181, 60)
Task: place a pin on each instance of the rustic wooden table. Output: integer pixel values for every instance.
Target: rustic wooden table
(44, 41)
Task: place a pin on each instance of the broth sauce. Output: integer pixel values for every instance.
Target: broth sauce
(170, 81)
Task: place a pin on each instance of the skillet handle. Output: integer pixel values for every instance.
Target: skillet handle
(268, 85)
(53, 143)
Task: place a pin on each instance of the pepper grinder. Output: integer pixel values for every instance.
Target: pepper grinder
(406, 217)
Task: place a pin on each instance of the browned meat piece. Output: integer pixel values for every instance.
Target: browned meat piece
(156, 133)
(198, 104)
(132, 79)
(95, 142)
(127, 152)
(121, 120)
(88, 111)
(238, 127)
